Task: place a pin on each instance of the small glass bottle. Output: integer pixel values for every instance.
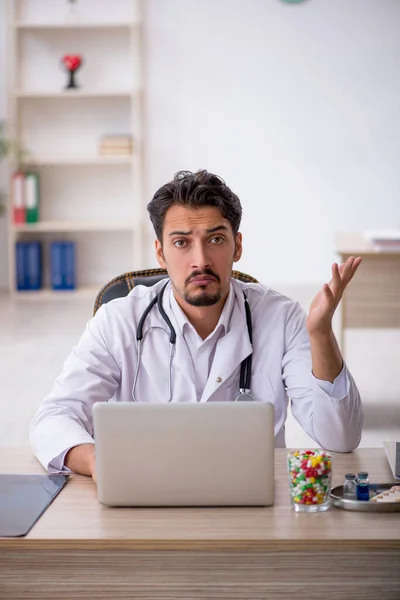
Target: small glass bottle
(362, 486)
(349, 486)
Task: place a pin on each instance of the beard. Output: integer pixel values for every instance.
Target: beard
(203, 298)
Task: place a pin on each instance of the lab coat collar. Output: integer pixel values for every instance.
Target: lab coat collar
(231, 349)
(224, 320)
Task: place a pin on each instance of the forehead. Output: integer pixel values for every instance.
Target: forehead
(185, 218)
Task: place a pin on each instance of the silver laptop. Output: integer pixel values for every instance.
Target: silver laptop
(205, 454)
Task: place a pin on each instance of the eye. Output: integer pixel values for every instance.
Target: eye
(218, 239)
(180, 243)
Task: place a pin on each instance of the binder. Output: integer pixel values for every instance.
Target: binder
(33, 258)
(29, 265)
(18, 199)
(32, 192)
(62, 261)
(56, 265)
(69, 265)
(21, 282)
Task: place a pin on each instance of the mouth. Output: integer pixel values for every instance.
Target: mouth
(202, 280)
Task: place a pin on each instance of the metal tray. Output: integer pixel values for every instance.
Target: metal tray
(364, 505)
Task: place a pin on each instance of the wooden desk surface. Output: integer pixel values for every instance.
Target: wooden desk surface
(77, 520)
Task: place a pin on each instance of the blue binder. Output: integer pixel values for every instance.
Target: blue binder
(33, 258)
(28, 266)
(20, 266)
(69, 265)
(62, 261)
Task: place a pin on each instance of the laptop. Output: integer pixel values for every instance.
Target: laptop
(178, 454)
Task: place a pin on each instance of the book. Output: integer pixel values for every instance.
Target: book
(116, 141)
(115, 151)
(112, 145)
(384, 240)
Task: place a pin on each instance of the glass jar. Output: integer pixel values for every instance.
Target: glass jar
(362, 486)
(350, 486)
(310, 479)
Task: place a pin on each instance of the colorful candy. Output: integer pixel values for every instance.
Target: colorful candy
(310, 473)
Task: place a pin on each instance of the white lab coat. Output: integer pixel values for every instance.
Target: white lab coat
(101, 368)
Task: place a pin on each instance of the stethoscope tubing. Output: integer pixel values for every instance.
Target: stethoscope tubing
(245, 367)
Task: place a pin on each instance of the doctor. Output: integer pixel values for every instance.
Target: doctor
(196, 218)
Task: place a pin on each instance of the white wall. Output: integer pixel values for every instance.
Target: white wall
(296, 106)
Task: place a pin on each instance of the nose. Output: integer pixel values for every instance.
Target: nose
(200, 258)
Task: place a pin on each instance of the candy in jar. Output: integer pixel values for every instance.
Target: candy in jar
(310, 475)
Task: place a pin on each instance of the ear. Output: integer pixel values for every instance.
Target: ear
(238, 247)
(160, 255)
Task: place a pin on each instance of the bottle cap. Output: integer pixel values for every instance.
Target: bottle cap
(350, 476)
(363, 474)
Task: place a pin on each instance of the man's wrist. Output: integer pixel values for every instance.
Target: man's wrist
(322, 335)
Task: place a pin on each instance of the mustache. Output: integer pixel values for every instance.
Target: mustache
(204, 272)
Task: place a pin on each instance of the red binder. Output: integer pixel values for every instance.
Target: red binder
(18, 197)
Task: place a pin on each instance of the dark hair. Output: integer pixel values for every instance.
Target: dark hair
(195, 190)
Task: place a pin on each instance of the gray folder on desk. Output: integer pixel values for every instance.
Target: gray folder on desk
(24, 498)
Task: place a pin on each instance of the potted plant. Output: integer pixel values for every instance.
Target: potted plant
(9, 148)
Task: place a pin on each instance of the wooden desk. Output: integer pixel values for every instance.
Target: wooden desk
(80, 549)
(373, 296)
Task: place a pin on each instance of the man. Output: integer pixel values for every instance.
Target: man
(196, 218)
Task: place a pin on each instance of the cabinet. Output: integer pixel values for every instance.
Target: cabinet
(87, 197)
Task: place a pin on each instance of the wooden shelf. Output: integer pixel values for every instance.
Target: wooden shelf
(79, 93)
(74, 25)
(100, 209)
(70, 226)
(80, 160)
(49, 294)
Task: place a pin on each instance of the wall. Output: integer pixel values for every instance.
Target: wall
(294, 105)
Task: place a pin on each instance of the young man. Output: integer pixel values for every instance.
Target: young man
(196, 218)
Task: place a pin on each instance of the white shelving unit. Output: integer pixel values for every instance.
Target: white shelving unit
(96, 201)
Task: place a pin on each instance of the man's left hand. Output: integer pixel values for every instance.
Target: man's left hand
(322, 309)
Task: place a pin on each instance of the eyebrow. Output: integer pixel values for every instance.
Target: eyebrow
(212, 230)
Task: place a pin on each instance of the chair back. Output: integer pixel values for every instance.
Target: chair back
(121, 286)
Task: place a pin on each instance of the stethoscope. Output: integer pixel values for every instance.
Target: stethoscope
(245, 367)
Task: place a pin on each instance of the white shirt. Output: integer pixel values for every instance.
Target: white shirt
(102, 367)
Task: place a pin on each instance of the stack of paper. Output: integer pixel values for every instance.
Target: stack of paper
(384, 239)
(115, 145)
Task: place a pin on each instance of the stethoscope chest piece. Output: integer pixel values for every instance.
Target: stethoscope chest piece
(245, 397)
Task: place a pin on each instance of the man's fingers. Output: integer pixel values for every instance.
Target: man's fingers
(342, 274)
(336, 281)
(349, 274)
